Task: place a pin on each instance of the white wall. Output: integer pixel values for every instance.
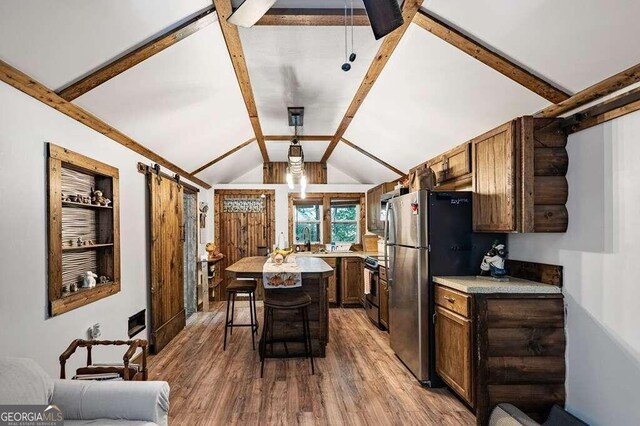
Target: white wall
(601, 257)
(25, 329)
(282, 198)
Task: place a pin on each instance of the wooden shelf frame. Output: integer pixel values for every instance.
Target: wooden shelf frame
(57, 159)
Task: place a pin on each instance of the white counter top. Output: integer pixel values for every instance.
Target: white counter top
(473, 284)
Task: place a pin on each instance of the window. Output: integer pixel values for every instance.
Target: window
(308, 216)
(344, 222)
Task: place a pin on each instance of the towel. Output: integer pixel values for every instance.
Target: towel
(367, 281)
(285, 275)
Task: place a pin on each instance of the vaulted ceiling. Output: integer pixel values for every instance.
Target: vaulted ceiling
(185, 103)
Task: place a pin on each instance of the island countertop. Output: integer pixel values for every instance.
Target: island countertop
(472, 284)
(251, 267)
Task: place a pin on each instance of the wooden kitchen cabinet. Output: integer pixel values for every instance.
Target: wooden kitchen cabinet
(332, 288)
(453, 352)
(494, 348)
(453, 165)
(519, 182)
(351, 281)
(373, 210)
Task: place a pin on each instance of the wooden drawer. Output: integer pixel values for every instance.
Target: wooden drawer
(331, 261)
(453, 300)
(383, 273)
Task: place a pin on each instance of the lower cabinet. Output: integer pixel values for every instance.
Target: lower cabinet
(453, 352)
(332, 289)
(384, 304)
(494, 348)
(351, 281)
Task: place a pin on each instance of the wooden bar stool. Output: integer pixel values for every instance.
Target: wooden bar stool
(241, 287)
(285, 300)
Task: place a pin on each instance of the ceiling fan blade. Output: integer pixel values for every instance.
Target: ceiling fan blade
(250, 12)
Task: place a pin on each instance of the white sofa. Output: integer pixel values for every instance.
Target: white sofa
(22, 381)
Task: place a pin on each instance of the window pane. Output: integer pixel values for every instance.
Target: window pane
(314, 228)
(344, 232)
(307, 213)
(344, 212)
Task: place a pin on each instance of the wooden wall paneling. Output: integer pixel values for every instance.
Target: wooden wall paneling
(533, 271)
(373, 157)
(312, 17)
(488, 56)
(236, 53)
(166, 248)
(275, 172)
(603, 88)
(409, 9)
(223, 156)
(129, 60)
(526, 174)
(31, 87)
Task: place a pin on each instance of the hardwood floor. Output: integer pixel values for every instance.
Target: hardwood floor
(360, 382)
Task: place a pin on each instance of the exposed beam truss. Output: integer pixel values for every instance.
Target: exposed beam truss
(234, 46)
(409, 10)
(223, 156)
(373, 157)
(487, 56)
(610, 109)
(31, 87)
(120, 65)
(289, 138)
(312, 17)
(605, 87)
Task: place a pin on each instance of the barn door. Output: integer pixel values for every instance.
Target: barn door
(167, 291)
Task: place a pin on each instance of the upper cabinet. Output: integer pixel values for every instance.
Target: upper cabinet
(453, 165)
(375, 222)
(519, 182)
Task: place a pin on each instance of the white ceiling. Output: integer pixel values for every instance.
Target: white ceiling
(184, 103)
(285, 73)
(56, 42)
(574, 43)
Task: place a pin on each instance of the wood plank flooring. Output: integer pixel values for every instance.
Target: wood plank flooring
(360, 382)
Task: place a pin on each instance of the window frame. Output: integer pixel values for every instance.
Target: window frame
(356, 221)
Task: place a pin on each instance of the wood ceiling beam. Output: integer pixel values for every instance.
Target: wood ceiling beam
(608, 110)
(373, 157)
(288, 138)
(391, 40)
(312, 17)
(147, 50)
(223, 156)
(605, 87)
(487, 56)
(31, 87)
(234, 46)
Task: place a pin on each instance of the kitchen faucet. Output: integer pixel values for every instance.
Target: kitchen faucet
(306, 235)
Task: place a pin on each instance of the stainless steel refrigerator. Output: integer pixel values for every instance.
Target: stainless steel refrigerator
(426, 234)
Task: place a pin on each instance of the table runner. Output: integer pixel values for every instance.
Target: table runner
(285, 275)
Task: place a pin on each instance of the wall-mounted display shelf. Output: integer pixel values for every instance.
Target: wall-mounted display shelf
(84, 229)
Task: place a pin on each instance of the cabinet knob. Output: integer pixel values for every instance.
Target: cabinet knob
(449, 299)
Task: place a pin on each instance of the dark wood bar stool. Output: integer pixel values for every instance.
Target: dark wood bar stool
(241, 287)
(285, 300)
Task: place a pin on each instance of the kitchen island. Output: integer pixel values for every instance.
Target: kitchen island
(315, 276)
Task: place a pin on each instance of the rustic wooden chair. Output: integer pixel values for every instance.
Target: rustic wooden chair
(125, 371)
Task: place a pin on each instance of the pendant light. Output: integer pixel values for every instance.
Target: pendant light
(352, 57)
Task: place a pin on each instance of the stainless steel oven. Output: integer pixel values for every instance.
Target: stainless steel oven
(372, 290)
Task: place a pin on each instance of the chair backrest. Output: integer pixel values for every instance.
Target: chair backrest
(22, 381)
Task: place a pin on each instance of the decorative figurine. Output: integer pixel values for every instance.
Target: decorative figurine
(98, 199)
(89, 280)
(86, 199)
(213, 250)
(73, 287)
(493, 262)
(79, 241)
(72, 243)
(103, 279)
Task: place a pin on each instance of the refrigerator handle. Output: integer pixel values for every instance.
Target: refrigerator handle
(386, 245)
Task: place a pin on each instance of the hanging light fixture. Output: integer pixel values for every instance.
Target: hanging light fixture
(295, 156)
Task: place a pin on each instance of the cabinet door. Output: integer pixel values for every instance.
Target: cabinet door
(332, 289)
(457, 162)
(453, 352)
(373, 209)
(352, 281)
(495, 184)
(384, 304)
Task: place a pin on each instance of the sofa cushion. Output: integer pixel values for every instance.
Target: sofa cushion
(560, 417)
(509, 415)
(22, 381)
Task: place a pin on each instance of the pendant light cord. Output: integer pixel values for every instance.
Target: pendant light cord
(346, 54)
